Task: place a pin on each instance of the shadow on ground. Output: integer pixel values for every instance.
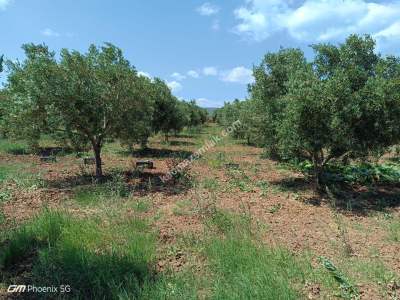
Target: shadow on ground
(141, 183)
(157, 153)
(59, 151)
(293, 184)
(181, 143)
(357, 199)
(363, 199)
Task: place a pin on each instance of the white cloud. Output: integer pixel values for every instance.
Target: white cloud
(318, 21)
(391, 32)
(210, 71)
(239, 75)
(204, 102)
(175, 86)
(207, 9)
(215, 25)
(144, 74)
(4, 4)
(178, 76)
(50, 32)
(193, 73)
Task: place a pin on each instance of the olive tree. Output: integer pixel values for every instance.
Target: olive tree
(166, 109)
(346, 102)
(31, 91)
(271, 84)
(1, 63)
(84, 95)
(138, 115)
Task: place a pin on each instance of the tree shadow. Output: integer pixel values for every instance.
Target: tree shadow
(185, 136)
(293, 184)
(361, 200)
(51, 151)
(144, 183)
(394, 159)
(157, 153)
(41, 151)
(347, 198)
(137, 182)
(18, 151)
(181, 143)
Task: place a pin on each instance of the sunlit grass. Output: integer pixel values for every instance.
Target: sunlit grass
(97, 259)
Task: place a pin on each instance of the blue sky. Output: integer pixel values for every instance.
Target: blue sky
(204, 49)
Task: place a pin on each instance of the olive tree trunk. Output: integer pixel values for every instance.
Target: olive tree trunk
(97, 157)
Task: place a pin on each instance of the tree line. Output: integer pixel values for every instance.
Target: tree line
(88, 99)
(342, 105)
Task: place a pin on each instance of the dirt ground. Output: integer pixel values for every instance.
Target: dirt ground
(279, 199)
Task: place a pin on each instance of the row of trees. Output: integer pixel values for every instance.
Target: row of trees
(343, 104)
(88, 98)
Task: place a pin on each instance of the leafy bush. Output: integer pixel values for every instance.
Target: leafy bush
(365, 173)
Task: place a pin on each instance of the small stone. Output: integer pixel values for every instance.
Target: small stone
(47, 159)
(145, 164)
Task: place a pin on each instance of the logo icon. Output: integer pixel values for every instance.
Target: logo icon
(13, 288)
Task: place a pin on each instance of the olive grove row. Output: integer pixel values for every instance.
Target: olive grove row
(344, 104)
(88, 99)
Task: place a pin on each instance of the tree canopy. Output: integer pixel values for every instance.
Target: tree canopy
(344, 103)
(87, 98)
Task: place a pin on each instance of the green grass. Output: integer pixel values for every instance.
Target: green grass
(99, 260)
(109, 258)
(113, 189)
(142, 205)
(8, 171)
(87, 196)
(210, 184)
(394, 231)
(18, 175)
(242, 267)
(239, 179)
(244, 270)
(13, 147)
(371, 270)
(347, 289)
(182, 208)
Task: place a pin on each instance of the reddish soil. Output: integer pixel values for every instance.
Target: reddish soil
(294, 217)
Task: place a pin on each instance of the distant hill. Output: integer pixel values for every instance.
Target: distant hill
(210, 110)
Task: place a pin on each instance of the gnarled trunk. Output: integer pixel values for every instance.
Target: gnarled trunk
(97, 157)
(318, 170)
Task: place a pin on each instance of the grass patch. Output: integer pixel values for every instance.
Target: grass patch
(17, 174)
(347, 289)
(142, 205)
(88, 195)
(239, 179)
(115, 188)
(244, 270)
(13, 147)
(371, 270)
(8, 171)
(210, 184)
(242, 267)
(99, 260)
(182, 208)
(394, 231)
